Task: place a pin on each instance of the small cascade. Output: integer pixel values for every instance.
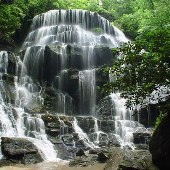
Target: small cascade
(63, 127)
(14, 121)
(87, 92)
(33, 129)
(82, 136)
(98, 134)
(3, 61)
(124, 124)
(7, 128)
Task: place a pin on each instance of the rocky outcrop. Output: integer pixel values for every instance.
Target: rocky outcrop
(104, 110)
(141, 138)
(137, 160)
(159, 145)
(20, 150)
(125, 159)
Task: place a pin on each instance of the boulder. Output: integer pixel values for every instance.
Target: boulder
(113, 140)
(159, 145)
(115, 156)
(137, 160)
(141, 136)
(82, 161)
(20, 150)
(102, 157)
(86, 123)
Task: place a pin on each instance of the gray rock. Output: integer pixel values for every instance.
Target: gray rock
(159, 145)
(141, 136)
(20, 150)
(17, 146)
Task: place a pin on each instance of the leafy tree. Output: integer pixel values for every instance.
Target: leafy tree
(10, 19)
(143, 67)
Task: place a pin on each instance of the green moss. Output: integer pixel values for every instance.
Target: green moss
(97, 30)
(159, 119)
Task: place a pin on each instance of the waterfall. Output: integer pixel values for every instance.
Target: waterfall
(3, 61)
(69, 32)
(61, 52)
(23, 124)
(82, 136)
(87, 92)
(124, 124)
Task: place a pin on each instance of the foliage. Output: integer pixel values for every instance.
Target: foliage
(97, 30)
(159, 119)
(144, 66)
(10, 18)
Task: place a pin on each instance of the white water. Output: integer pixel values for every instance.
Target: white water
(124, 124)
(56, 28)
(24, 125)
(87, 92)
(82, 136)
(60, 28)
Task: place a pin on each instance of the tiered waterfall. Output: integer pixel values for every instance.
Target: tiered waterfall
(56, 72)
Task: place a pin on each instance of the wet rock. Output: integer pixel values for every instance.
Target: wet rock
(105, 109)
(53, 132)
(7, 89)
(102, 157)
(103, 55)
(33, 107)
(141, 146)
(12, 63)
(81, 144)
(17, 146)
(20, 150)
(141, 136)
(81, 161)
(47, 118)
(31, 159)
(131, 165)
(80, 152)
(86, 123)
(68, 140)
(84, 160)
(107, 126)
(116, 155)
(113, 140)
(138, 160)
(159, 145)
(51, 64)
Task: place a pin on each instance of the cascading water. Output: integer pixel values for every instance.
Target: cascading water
(124, 124)
(23, 125)
(63, 29)
(62, 48)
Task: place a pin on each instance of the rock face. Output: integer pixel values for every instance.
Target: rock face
(60, 67)
(124, 159)
(141, 138)
(159, 145)
(20, 150)
(138, 160)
